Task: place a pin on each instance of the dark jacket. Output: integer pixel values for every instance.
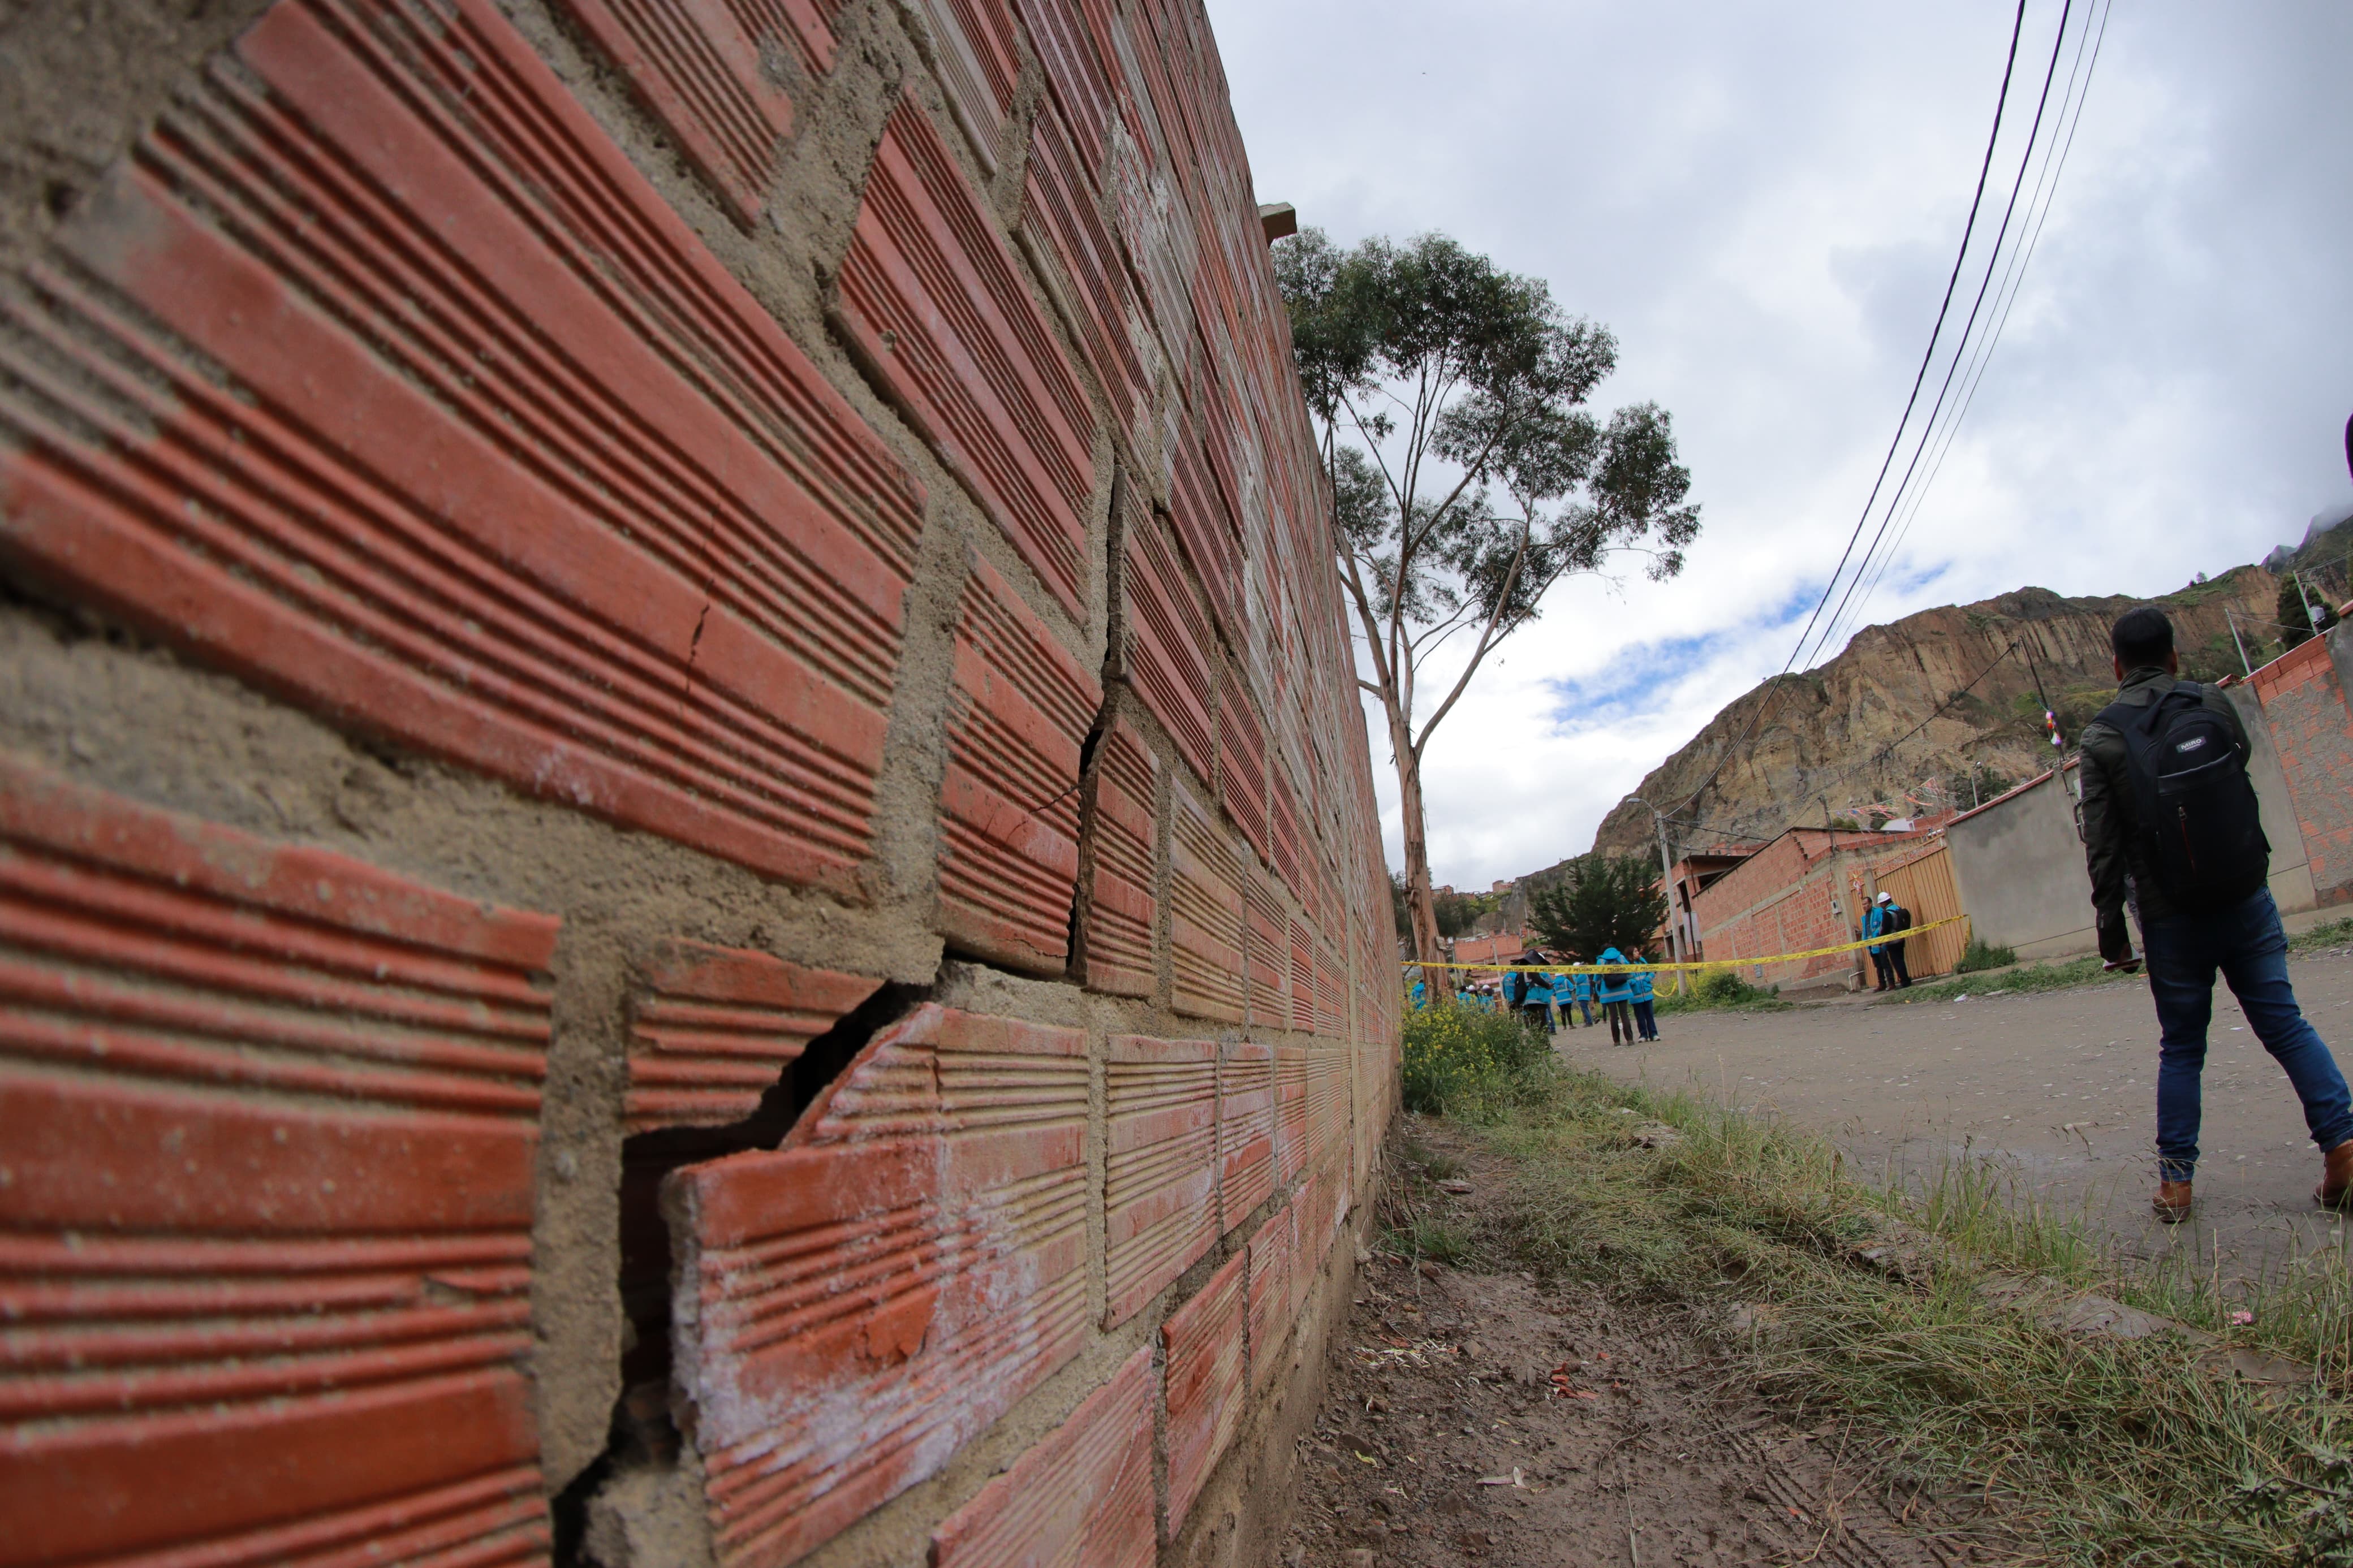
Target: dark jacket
(2113, 848)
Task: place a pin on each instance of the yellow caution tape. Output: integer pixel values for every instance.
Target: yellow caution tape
(1709, 963)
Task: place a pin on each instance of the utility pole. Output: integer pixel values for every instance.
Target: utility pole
(1666, 881)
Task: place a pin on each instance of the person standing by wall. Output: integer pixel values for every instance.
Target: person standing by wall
(1617, 998)
(2170, 825)
(1641, 993)
(1875, 922)
(1893, 919)
(1535, 998)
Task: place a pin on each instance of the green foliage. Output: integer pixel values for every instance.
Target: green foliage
(2295, 621)
(1967, 791)
(1466, 1061)
(1601, 901)
(1719, 988)
(1846, 824)
(1977, 955)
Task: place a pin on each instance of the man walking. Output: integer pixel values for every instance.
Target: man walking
(1617, 998)
(2169, 822)
(1641, 993)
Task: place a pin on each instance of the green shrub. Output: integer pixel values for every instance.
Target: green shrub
(1466, 1061)
(1977, 955)
(1718, 988)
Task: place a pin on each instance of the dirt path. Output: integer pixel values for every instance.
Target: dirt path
(1478, 1417)
(2063, 1083)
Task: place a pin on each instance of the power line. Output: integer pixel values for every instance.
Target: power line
(2002, 101)
(2010, 210)
(2055, 154)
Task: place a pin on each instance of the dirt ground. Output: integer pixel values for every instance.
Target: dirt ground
(2063, 1084)
(1478, 1418)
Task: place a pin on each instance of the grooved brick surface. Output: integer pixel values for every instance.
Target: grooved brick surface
(1328, 1105)
(1009, 807)
(1302, 974)
(1205, 914)
(1271, 1298)
(1203, 1341)
(1266, 953)
(933, 299)
(636, 556)
(710, 1028)
(1100, 303)
(1241, 764)
(1169, 643)
(1160, 1200)
(1120, 909)
(1291, 1142)
(1245, 1130)
(696, 66)
(855, 1305)
(264, 1234)
(978, 63)
(1081, 1497)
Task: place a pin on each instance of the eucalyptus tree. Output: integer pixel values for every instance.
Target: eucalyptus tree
(1468, 476)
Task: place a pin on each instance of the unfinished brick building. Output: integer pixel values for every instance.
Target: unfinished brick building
(688, 869)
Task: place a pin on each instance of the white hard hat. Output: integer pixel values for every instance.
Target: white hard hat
(1886, 898)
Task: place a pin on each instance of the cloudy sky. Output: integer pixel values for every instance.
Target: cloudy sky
(1764, 203)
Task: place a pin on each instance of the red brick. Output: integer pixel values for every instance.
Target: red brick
(656, 575)
(1168, 643)
(1303, 975)
(1246, 1110)
(266, 1226)
(1283, 827)
(1205, 528)
(1241, 764)
(1079, 1498)
(1022, 706)
(1160, 1201)
(1065, 35)
(1205, 914)
(1203, 1341)
(857, 1305)
(978, 63)
(1290, 1143)
(1272, 1295)
(1060, 219)
(1266, 953)
(2305, 705)
(933, 300)
(1327, 1104)
(696, 65)
(1119, 914)
(711, 1028)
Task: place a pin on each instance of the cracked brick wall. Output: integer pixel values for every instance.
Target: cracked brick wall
(687, 864)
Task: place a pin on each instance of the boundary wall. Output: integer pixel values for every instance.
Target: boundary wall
(688, 863)
(1808, 889)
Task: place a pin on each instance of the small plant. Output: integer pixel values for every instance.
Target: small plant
(1719, 987)
(1468, 1062)
(1977, 955)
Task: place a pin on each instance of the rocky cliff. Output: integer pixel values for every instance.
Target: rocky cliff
(1911, 716)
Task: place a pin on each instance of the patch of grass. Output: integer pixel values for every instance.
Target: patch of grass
(2335, 933)
(1978, 956)
(1469, 1063)
(2064, 976)
(1716, 989)
(2091, 1450)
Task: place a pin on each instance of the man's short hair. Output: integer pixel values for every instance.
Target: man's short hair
(2141, 636)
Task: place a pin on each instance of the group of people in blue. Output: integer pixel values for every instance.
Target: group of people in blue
(1551, 1001)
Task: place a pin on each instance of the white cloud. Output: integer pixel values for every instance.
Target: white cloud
(1763, 203)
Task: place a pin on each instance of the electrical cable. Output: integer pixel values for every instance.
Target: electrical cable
(2071, 114)
(2010, 210)
(1985, 168)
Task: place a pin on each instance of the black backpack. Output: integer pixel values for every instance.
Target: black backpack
(2193, 802)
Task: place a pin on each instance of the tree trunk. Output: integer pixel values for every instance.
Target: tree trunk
(1421, 906)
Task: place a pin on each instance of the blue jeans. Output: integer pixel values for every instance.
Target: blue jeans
(2244, 942)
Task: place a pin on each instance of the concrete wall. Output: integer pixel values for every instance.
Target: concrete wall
(2019, 866)
(688, 868)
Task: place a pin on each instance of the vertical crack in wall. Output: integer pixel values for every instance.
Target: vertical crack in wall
(638, 1506)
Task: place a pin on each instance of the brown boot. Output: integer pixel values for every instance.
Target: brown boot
(2172, 1202)
(2336, 1177)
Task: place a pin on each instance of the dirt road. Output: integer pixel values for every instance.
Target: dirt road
(2062, 1083)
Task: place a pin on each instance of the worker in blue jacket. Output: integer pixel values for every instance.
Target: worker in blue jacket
(1535, 998)
(1617, 998)
(1638, 987)
(1581, 995)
